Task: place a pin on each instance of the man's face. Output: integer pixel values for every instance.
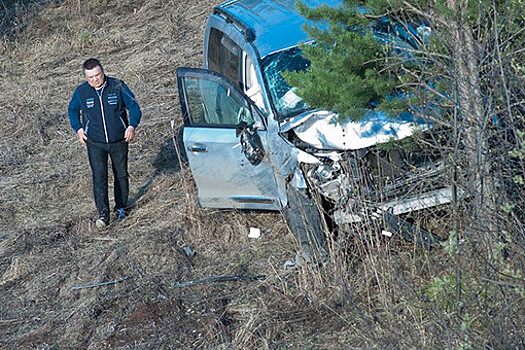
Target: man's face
(95, 77)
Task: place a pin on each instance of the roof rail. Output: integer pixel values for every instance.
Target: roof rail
(229, 2)
(249, 33)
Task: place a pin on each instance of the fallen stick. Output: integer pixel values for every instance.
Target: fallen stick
(219, 279)
(11, 321)
(101, 284)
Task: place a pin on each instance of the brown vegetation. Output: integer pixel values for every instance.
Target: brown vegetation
(374, 293)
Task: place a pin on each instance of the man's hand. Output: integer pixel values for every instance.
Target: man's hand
(82, 137)
(130, 133)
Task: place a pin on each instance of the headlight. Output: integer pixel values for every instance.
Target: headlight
(325, 172)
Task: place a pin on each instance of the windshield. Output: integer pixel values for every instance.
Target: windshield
(404, 39)
(285, 100)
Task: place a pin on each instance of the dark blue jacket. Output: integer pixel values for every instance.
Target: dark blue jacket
(104, 118)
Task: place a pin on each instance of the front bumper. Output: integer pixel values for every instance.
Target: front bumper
(426, 200)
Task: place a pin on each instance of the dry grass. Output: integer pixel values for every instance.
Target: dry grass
(49, 243)
(367, 296)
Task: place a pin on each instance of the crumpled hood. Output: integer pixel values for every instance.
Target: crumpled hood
(322, 130)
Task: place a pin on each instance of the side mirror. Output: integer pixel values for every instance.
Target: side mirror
(251, 142)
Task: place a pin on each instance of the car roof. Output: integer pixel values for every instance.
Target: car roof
(277, 25)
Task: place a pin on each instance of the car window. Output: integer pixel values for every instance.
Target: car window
(250, 79)
(285, 100)
(252, 88)
(224, 56)
(209, 103)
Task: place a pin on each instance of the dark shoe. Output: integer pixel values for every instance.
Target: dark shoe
(121, 214)
(101, 223)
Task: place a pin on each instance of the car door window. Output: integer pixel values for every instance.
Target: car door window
(211, 104)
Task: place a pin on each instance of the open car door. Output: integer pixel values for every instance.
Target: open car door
(216, 117)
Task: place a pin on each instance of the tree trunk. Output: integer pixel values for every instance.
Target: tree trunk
(474, 161)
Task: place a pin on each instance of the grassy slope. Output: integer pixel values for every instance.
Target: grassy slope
(368, 296)
(48, 242)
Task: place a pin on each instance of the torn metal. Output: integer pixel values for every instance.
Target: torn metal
(356, 174)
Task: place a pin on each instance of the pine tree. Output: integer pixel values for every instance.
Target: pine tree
(467, 67)
(472, 67)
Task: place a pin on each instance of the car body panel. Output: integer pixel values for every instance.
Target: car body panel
(323, 129)
(277, 23)
(224, 177)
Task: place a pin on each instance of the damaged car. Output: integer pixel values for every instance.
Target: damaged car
(252, 143)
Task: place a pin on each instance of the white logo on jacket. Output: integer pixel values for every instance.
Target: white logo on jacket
(90, 102)
(112, 99)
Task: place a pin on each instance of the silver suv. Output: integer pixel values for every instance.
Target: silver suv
(252, 143)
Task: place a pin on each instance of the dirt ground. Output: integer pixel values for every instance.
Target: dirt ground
(66, 285)
(48, 242)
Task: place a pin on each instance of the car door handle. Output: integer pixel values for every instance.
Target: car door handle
(198, 148)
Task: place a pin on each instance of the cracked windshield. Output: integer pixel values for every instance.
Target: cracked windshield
(286, 101)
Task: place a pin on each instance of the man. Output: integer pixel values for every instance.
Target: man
(97, 113)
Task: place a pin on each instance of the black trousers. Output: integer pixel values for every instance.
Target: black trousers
(98, 160)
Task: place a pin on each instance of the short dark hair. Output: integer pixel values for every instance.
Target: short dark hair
(90, 64)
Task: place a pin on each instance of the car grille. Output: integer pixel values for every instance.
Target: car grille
(382, 175)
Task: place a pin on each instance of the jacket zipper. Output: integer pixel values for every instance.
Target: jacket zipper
(103, 116)
(123, 124)
(87, 126)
